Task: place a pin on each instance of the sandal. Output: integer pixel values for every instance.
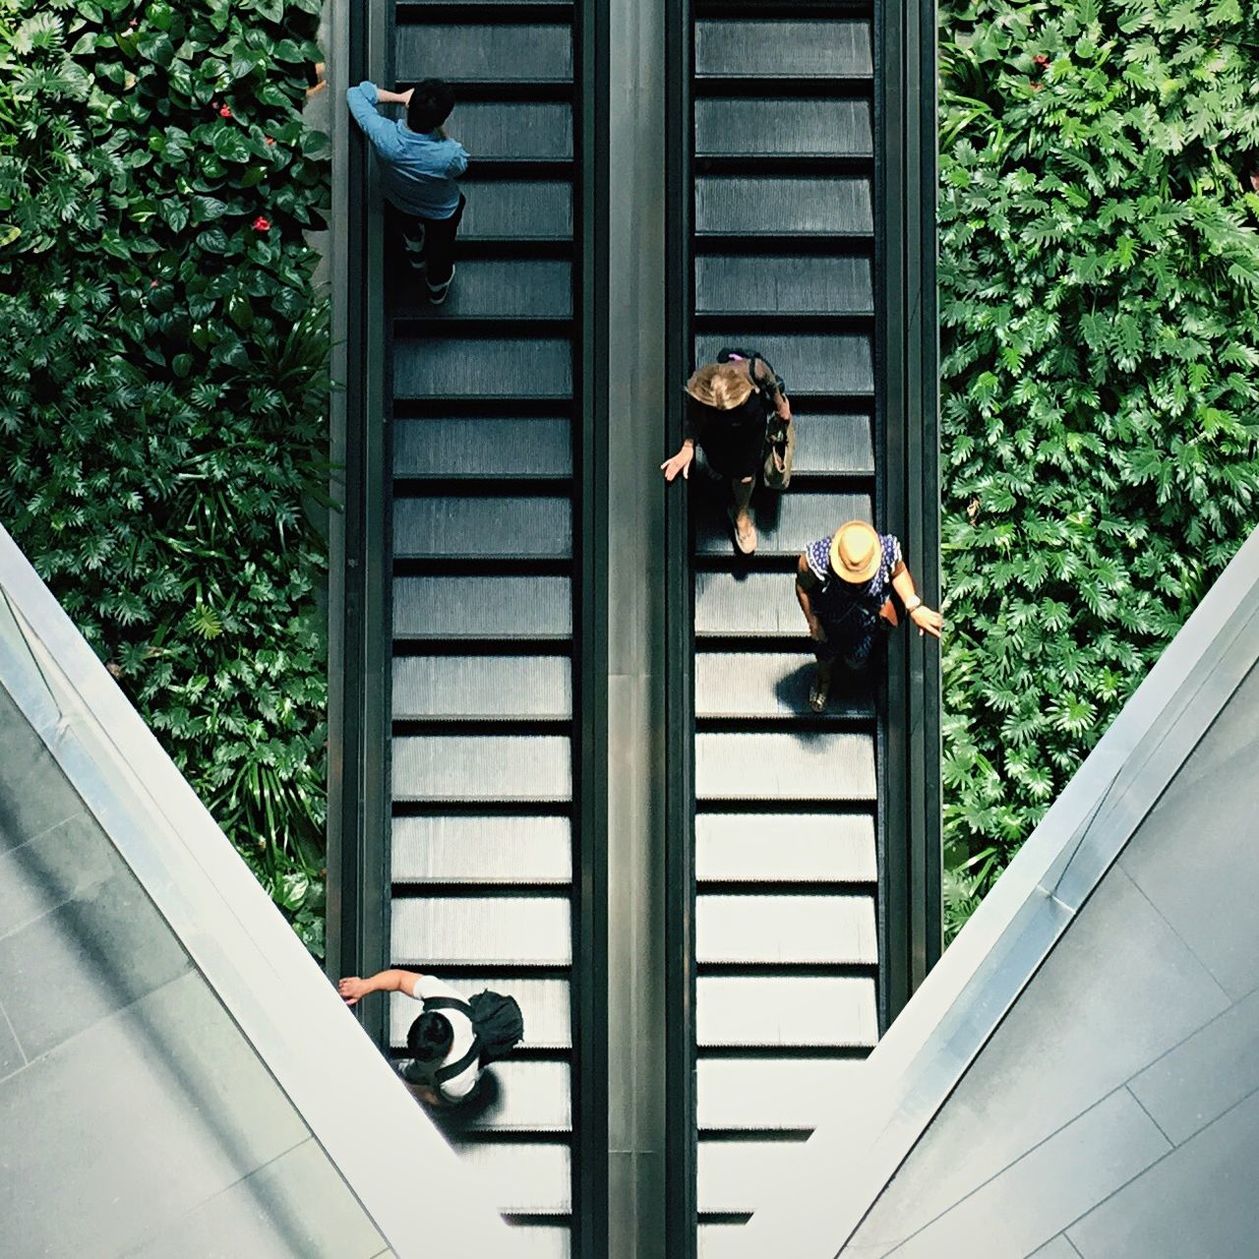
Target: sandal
(819, 692)
(744, 539)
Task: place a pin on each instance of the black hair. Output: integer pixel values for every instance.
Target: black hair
(430, 1037)
(430, 105)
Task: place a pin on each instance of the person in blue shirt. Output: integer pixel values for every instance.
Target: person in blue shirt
(419, 168)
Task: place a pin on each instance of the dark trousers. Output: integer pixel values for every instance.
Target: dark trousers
(438, 236)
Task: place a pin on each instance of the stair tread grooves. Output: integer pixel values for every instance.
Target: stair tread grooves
(762, 847)
(481, 849)
(791, 928)
(784, 128)
(820, 1011)
(774, 766)
(514, 131)
(782, 206)
(529, 526)
(482, 931)
(497, 767)
(482, 447)
(471, 687)
(752, 284)
(515, 210)
(783, 47)
(472, 52)
(482, 367)
(482, 607)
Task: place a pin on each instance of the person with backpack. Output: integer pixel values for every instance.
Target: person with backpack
(453, 1039)
(844, 586)
(739, 417)
(419, 165)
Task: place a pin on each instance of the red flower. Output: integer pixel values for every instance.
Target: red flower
(152, 284)
(1040, 60)
(261, 224)
(270, 141)
(224, 112)
(132, 24)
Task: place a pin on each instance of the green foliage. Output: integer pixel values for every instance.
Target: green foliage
(163, 390)
(1100, 442)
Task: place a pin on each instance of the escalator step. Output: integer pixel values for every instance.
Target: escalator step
(732, 1175)
(525, 528)
(517, 210)
(482, 767)
(762, 206)
(482, 931)
(733, 1092)
(747, 684)
(457, 367)
(752, 604)
(809, 364)
(467, 688)
(482, 448)
(482, 607)
(801, 766)
(466, 53)
(734, 127)
(800, 1011)
(507, 289)
(482, 850)
(785, 929)
(763, 847)
(801, 519)
(834, 444)
(540, 131)
(543, 1002)
(532, 1097)
(524, 1176)
(783, 49)
(768, 284)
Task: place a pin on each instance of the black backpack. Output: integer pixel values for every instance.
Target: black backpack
(497, 1028)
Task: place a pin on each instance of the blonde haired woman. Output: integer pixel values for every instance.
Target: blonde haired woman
(729, 407)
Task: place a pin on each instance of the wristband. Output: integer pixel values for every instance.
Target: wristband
(911, 608)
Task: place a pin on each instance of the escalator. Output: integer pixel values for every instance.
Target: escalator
(487, 603)
(777, 949)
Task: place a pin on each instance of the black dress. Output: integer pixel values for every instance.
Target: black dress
(733, 441)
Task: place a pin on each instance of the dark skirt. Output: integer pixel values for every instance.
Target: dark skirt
(733, 441)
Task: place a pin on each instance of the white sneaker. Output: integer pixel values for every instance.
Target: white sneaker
(437, 292)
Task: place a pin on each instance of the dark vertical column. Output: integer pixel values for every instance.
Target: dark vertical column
(358, 730)
(590, 919)
(681, 1209)
(909, 463)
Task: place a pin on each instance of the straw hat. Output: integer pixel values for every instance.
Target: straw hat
(721, 385)
(856, 552)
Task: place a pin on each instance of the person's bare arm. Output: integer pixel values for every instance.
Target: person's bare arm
(393, 98)
(805, 582)
(927, 619)
(355, 989)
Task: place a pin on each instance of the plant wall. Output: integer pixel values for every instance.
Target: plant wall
(1100, 441)
(163, 387)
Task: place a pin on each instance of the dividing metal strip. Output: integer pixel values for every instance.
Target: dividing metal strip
(908, 464)
(590, 641)
(681, 1126)
(358, 737)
